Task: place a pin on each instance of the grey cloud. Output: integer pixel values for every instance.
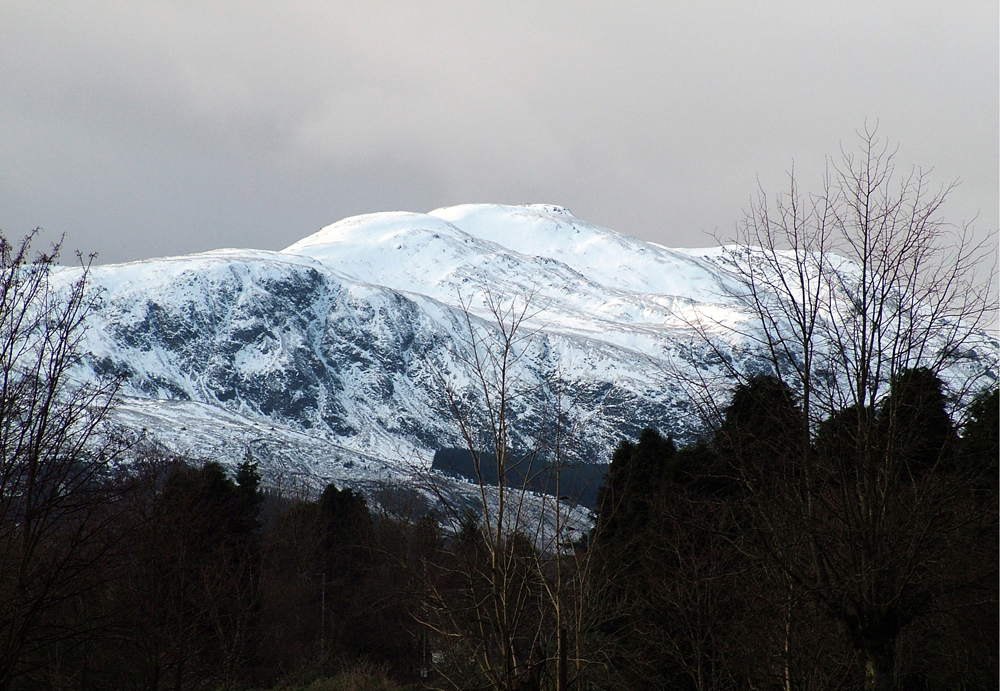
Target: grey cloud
(155, 128)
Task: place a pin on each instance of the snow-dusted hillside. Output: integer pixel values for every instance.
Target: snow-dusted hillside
(332, 358)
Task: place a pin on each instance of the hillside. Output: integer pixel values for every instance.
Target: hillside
(331, 360)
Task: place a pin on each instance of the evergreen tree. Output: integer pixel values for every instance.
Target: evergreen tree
(636, 474)
(345, 526)
(698, 469)
(203, 555)
(979, 449)
(762, 428)
(248, 493)
(624, 529)
(913, 421)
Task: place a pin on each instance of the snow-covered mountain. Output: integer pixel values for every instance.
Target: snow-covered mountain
(339, 357)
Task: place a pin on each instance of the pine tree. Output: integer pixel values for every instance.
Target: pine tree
(979, 448)
(913, 420)
(636, 474)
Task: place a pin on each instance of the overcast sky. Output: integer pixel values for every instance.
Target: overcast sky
(152, 128)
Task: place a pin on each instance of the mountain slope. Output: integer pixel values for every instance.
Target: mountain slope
(333, 359)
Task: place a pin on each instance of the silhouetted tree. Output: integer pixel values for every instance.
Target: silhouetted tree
(344, 564)
(850, 290)
(497, 624)
(979, 449)
(291, 596)
(913, 420)
(635, 476)
(202, 560)
(58, 514)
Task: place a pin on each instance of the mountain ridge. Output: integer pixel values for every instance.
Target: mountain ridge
(334, 359)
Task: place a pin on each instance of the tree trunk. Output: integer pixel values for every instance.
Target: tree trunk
(879, 668)
(563, 662)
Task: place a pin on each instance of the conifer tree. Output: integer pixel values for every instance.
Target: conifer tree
(636, 474)
(913, 420)
(979, 449)
(848, 291)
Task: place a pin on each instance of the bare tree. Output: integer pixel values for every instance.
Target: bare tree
(57, 520)
(850, 291)
(505, 602)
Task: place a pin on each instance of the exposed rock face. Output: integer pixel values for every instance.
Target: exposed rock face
(331, 359)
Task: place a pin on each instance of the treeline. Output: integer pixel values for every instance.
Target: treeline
(694, 575)
(124, 569)
(759, 557)
(205, 581)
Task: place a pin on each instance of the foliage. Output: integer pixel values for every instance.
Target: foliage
(637, 472)
(834, 484)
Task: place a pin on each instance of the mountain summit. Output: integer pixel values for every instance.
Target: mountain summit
(333, 359)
